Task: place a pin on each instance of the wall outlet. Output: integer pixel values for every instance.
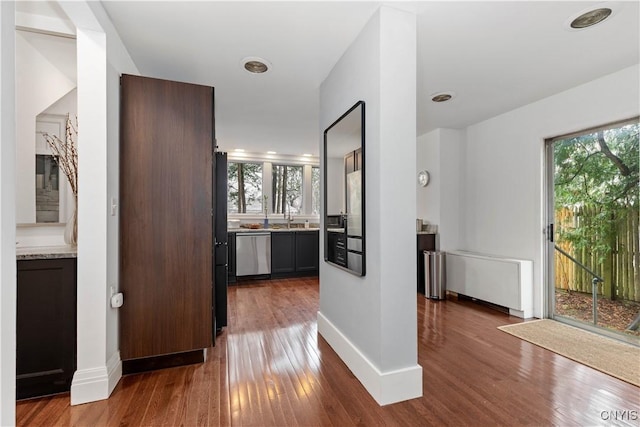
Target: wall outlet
(117, 300)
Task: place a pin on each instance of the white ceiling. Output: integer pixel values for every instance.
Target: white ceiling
(496, 56)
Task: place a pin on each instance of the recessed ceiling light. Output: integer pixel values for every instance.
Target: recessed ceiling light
(442, 96)
(255, 65)
(239, 150)
(590, 18)
(271, 152)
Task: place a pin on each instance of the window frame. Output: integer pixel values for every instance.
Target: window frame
(261, 198)
(268, 161)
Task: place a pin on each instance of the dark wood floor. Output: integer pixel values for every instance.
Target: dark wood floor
(271, 368)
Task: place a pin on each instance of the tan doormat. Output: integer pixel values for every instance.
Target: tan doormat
(607, 355)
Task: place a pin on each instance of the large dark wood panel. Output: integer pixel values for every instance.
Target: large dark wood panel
(166, 206)
(46, 326)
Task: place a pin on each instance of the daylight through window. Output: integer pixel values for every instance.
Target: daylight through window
(287, 189)
(245, 187)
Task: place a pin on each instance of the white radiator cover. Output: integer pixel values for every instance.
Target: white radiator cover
(503, 281)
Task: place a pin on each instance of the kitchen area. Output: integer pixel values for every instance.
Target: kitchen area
(274, 252)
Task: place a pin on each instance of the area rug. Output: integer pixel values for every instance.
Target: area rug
(607, 355)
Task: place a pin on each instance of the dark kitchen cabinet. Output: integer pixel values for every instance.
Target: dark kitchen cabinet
(294, 253)
(231, 257)
(283, 252)
(46, 326)
(167, 148)
(337, 248)
(307, 250)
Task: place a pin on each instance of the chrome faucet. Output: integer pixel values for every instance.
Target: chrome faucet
(289, 219)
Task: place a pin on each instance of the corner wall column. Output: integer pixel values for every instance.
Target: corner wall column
(7, 216)
(91, 380)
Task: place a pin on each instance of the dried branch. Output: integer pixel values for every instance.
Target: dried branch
(65, 153)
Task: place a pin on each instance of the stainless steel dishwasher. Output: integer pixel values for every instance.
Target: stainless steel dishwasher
(253, 254)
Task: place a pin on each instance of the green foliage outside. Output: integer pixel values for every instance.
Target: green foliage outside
(600, 171)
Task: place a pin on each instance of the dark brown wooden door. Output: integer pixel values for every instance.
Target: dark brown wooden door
(166, 226)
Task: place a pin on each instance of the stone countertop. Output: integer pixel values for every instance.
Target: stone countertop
(46, 252)
(425, 232)
(258, 230)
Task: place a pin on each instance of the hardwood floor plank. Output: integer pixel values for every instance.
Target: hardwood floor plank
(271, 368)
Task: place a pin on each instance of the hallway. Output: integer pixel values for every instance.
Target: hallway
(271, 368)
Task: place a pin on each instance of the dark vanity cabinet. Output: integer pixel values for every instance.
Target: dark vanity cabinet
(294, 253)
(46, 326)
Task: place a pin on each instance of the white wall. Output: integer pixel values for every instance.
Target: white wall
(40, 82)
(7, 216)
(113, 192)
(451, 192)
(335, 186)
(440, 153)
(101, 57)
(428, 158)
(501, 213)
(371, 321)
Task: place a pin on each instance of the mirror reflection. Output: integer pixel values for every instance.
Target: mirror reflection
(344, 242)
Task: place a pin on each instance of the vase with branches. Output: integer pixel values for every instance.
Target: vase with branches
(65, 153)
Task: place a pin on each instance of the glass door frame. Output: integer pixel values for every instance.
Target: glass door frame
(548, 289)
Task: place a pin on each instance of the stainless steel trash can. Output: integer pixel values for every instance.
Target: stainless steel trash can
(434, 275)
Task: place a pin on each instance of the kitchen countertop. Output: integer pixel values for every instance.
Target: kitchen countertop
(46, 252)
(257, 230)
(425, 232)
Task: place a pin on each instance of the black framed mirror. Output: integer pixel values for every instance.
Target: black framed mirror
(344, 191)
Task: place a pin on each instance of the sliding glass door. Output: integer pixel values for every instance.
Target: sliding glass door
(593, 231)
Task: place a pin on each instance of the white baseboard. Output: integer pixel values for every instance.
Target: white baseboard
(91, 385)
(385, 387)
(114, 371)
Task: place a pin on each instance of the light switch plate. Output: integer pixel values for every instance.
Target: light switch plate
(114, 206)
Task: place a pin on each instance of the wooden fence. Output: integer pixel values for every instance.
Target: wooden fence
(619, 268)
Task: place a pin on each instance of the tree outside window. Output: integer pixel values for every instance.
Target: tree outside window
(315, 190)
(245, 187)
(287, 189)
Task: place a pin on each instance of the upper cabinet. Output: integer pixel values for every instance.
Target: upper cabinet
(353, 161)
